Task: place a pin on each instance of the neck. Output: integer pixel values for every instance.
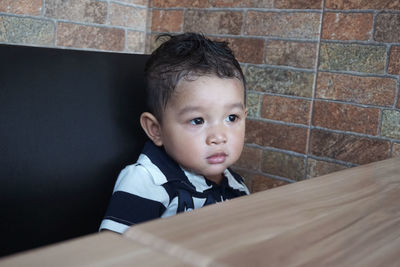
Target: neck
(216, 178)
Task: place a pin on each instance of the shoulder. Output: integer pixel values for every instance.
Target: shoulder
(143, 168)
(139, 179)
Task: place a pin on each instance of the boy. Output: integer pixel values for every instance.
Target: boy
(196, 124)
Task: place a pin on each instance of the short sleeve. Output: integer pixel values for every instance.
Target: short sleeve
(136, 198)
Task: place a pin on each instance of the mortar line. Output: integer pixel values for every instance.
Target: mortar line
(313, 91)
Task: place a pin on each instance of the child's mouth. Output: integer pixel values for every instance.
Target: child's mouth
(217, 158)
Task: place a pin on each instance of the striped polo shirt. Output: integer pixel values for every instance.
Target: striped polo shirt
(157, 187)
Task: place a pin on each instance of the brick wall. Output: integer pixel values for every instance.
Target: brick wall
(323, 79)
(79, 24)
(323, 75)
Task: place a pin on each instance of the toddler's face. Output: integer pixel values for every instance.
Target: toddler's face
(203, 125)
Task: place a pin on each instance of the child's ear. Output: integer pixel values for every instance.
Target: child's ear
(152, 127)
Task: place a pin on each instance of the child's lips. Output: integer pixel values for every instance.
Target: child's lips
(217, 158)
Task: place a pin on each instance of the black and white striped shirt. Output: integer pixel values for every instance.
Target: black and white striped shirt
(156, 187)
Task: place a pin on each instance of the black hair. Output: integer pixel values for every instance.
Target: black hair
(185, 56)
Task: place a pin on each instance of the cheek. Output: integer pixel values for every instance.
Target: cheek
(183, 144)
(237, 140)
(239, 133)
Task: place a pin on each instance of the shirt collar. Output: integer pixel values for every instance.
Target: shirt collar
(164, 169)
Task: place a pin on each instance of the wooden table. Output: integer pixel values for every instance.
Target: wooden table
(347, 218)
(102, 249)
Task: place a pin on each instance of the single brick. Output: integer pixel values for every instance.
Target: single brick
(20, 30)
(347, 26)
(362, 4)
(128, 16)
(346, 117)
(250, 158)
(286, 109)
(267, 134)
(294, 54)
(352, 57)
(279, 81)
(213, 22)
(284, 165)
(298, 4)
(391, 124)
(253, 104)
(73, 35)
(363, 90)
(180, 3)
(317, 168)
(387, 28)
(31, 7)
(261, 183)
(135, 42)
(76, 10)
(396, 150)
(283, 24)
(167, 20)
(348, 148)
(243, 3)
(247, 50)
(394, 60)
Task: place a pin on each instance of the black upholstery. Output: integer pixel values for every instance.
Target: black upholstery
(68, 125)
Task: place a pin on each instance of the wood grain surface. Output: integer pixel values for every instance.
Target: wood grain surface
(347, 218)
(102, 249)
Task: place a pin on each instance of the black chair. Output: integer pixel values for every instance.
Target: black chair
(68, 125)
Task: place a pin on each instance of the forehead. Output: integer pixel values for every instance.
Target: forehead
(209, 89)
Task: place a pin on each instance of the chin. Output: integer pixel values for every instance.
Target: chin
(216, 171)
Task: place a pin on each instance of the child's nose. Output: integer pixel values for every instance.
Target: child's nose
(216, 136)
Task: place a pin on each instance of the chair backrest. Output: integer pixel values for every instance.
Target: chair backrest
(68, 125)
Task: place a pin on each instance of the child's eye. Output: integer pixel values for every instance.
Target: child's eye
(232, 118)
(197, 121)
